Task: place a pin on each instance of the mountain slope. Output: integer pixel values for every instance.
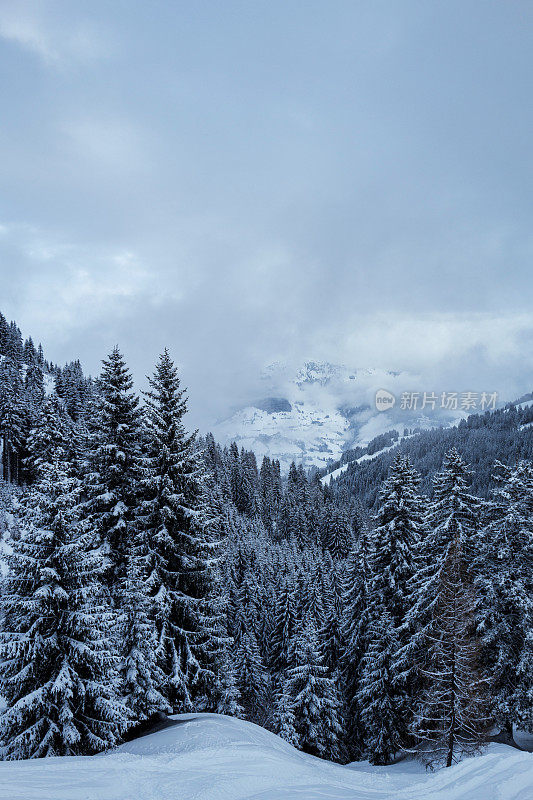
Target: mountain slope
(502, 435)
(209, 757)
(313, 414)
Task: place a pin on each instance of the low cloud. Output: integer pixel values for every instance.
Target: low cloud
(31, 26)
(350, 190)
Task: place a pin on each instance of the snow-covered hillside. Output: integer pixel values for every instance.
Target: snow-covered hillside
(312, 414)
(207, 757)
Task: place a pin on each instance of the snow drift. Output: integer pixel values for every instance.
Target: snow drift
(209, 757)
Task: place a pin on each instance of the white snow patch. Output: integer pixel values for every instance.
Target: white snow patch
(366, 457)
(210, 757)
(332, 476)
(49, 384)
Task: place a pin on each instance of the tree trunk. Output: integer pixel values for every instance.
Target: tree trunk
(6, 460)
(451, 738)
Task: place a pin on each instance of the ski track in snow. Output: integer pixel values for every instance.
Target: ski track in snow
(219, 758)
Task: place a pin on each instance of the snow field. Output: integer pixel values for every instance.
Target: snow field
(210, 757)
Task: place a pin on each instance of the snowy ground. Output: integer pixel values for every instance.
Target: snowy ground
(217, 758)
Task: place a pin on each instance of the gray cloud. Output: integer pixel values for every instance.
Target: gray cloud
(261, 184)
(54, 38)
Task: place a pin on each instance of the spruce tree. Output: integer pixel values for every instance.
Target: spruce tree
(180, 532)
(285, 621)
(34, 386)
(13, 417)
(355, 624)
(331, 634)
(503, 572)
(398, 531)
(252, 678)
(381, 698)
(396, 541)
(4, 335)
(450, 714)
(283, 718)
(111, 484)
(51, 429)
(58, 665)
(336, 533)
(229, 698)
(140, 675)
(452, 519)
(450, 711)
(314, 696)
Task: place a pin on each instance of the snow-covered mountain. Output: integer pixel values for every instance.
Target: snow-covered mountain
(315, 412)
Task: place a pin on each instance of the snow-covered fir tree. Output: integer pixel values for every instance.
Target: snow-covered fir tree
(452, 520)
(111, 484)
(52, 429)
(182, 548)
(283, 718)
(451, 713)
(397, 534)
(381, 696)
(58, 662)
(13, 416)
(336, 532)
(450, 709)
(34, 386)
(229, 697)
(503, 570)
(252, 677)
(331, 634)
(314, 698)
(355, 623)
(285, 621)
(140, 676)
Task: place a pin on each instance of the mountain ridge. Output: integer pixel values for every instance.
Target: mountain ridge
(313, 413)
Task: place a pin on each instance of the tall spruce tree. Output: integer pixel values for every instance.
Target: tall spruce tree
(355, 624)
(52, 428)
(182, 548)
(452, 519)
(450, 712)
(140, 676)
(252, 678)
(314, 698)
(283, 718)
(111, 484)
(331, 634)
(284, 627)
(398, 531)
(503, 570)
(13, 417)
(382, 699)
(58, 665)
(336, 533)
(396, 540)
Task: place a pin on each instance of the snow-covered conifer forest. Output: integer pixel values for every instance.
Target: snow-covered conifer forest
(148, 571)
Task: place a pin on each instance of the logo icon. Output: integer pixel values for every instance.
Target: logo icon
(384, 400)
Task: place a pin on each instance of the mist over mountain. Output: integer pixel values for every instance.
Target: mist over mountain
(313, 413)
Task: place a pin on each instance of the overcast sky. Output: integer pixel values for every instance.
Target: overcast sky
(248, 181)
